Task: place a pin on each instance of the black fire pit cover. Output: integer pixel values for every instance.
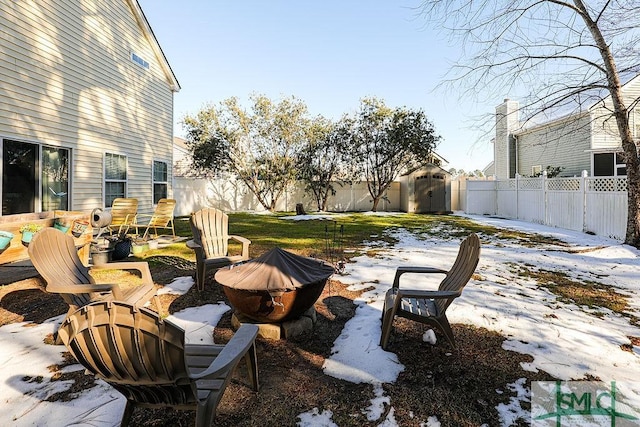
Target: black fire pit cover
(276, 271)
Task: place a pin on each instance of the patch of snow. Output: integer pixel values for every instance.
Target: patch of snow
(356, 355)
(315, 418)
(179, 286)
(198, 322)
(432, 421)
(513, 411)
(429, 336)
(376, 409)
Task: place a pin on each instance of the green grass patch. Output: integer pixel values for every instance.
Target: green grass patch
(582, 293)
(313, 237)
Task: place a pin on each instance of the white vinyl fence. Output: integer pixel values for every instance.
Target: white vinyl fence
(589, 204)
(233, 196)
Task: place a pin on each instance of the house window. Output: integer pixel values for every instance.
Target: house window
(138, 60)
(536, 170)
(55, 179)
(621, 166)
(159, 181)
(609, 164)
(115, 177)
(35, 178)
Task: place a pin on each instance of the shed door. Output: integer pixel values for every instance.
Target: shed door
(431, 193)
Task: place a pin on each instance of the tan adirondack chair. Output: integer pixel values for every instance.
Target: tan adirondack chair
(210, 228)
(162, 217)
(55, 256)
(123, 214)
(146, 359)
(430, 307)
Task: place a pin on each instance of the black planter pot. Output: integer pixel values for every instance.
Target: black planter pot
(121, 250)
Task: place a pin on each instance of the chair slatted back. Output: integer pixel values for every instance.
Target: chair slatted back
(210, 228)
(132, 349)
(461, 270)
(54, 255)
(123, 211)
(163, 213)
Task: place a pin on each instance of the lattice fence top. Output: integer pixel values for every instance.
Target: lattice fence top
(508, 184)
(530, 184)
(564, 184)
(607, 184)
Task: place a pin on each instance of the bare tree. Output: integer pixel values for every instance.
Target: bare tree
(557, 55)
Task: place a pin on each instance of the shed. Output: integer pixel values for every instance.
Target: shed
(426, 190)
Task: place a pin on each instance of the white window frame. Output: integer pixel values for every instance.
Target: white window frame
(537, 169)
(106, 180)
(154, 182)
(616, 166)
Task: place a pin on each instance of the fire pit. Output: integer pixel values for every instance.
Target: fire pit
(276, 286)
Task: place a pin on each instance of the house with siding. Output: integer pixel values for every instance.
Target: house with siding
(87, 107)
(587, 140)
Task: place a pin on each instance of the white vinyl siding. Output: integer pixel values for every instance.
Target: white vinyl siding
(635, 123)
(68, 80)
(606, 135)
(561, 144)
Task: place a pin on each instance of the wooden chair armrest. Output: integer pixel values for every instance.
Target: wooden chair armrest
(411, 269)
(191, 244)
(84, 288)
(428, 294)
(142, 267)
(240, 239)
(245, 244)
(241, 342)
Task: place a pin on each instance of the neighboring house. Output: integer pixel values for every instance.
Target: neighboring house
(588, 140)
(489, 170)
(87, 106)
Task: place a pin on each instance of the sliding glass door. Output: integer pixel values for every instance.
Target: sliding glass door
(19, 166)
(34, 178)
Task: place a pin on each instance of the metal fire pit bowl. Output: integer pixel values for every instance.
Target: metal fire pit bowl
(275, 287)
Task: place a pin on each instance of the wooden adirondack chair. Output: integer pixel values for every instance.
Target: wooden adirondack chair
(162, 217)
(123, 214)
(210, 228)
(430, 307)
(55, 256)
(146, 359)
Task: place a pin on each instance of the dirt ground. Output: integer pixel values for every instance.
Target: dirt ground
(457, 386)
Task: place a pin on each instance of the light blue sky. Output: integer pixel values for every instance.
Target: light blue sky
(330, 54)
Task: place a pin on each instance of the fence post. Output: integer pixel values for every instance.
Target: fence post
(583, 187)
(517, 196)
(543, 176)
